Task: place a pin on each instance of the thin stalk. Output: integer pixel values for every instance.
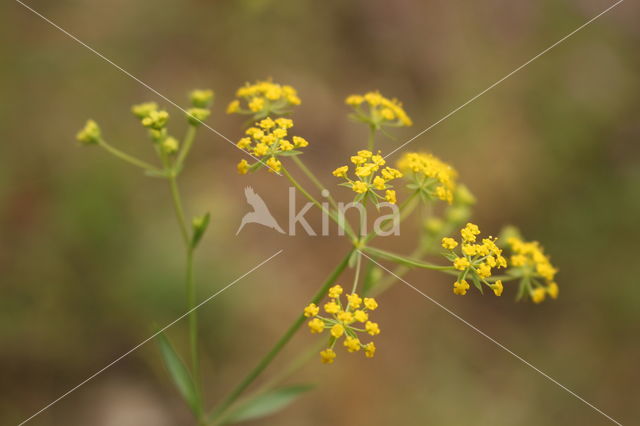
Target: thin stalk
(280, 344)
(177, 205)
(126, 157)
(185, 148)
(405, 260)
(189, 282)
(372, 138)
(312, 177)
(406, 208)
(356, 275)
(295, 183)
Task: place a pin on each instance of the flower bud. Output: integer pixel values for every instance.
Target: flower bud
(90, 133)
(197, 115)
(170, 145)
(143, 110)
(156, 120)
(201, 98)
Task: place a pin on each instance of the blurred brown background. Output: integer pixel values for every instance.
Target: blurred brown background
(90, 257)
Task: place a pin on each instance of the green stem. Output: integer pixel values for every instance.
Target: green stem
(189, 282)
(185, 148)
(372, 138)
(126, 157)
(405, 260)
(280, 344)
(314, 179)
(177, 205)
(295, 183)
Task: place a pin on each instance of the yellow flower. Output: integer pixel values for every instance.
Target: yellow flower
(341, 171)
(234, 106)
(369, 350)
(390, 196)
(360, 316)
(381, 111)
(483, 270)
(332, 308)
(538, 295)
(449, 243)
(497, 288)
(311, 310)
(372, 328)
(335, 291)
(370, 303)
(461, 263)
(264, 98)
(341, 322)
(460, 287)
(267, 139)
(354, 301)
(243, 167)
(531, 261)
(552, 289)
(359, 187)
(434, 178)
(352, 344)
(327, 356)
(369, 177)
(300, 142)
(337, 330)
(316, 325)
(196, 116)
(469, 232)
(170, 145)
(267, 123)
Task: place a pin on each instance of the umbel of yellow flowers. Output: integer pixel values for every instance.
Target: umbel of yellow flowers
(474, 261)
(264, 98)
(429, 175)
(344, 322)
(377, 111)
(370, 177)
(268, 141)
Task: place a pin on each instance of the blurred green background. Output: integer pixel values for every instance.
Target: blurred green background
(90, 256)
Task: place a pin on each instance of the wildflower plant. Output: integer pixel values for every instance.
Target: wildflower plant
(342, 321)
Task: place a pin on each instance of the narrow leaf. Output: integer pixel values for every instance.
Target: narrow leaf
(199, 225)
(267, 403)
(179, 374)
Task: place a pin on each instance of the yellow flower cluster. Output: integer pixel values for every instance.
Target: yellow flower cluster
(475, 261)
(264, 98)
(529, 258)
(431, 176)
(268, 140)
(342, 321)
(378, 111)
(368, 181)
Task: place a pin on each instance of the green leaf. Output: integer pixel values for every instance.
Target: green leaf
(180, 375)
(199, 225)
(267, 403)
(476, 282)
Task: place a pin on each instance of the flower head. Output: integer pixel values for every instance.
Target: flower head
(529, 261)
(377, 111)
(268, 139)
(371, 179)
(474, 261)
(201, 98)
(156, 119)
(344, 321)
(90, 133)
(429, 175)
(264, 98)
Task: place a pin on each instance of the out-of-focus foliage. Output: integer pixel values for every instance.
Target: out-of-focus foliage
(87, 260)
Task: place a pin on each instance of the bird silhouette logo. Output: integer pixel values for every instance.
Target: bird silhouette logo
(260, 214)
